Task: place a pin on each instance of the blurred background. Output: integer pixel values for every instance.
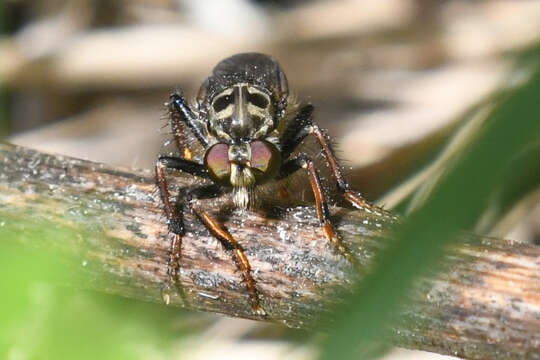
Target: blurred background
(394, 82)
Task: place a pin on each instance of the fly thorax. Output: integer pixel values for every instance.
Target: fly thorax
(241, 111)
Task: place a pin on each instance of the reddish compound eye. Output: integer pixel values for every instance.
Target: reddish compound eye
(217, 162)
(261, 155)
(264, 157)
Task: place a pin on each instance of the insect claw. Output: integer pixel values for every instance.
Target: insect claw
(259, 310)
(165, 296)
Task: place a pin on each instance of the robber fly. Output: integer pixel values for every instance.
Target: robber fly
(247, 135)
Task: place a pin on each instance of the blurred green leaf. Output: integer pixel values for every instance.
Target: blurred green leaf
(454, 205)
(44, 321)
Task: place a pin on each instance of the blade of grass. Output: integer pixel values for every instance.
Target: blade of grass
(455, 204)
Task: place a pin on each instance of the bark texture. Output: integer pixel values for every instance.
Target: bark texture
(485, 306)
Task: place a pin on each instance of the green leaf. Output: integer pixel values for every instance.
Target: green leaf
(454, 205)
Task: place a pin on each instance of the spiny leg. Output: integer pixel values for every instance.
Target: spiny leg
(174, 215)
(230, 244)
(320, 200)
(351, 196)
(300, 128)
(176, 226)
(343, 186)
(178, 127)
(297, 131)
(181, 115)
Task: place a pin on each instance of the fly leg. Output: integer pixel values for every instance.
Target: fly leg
(300, 128)
(232, 246)
(175, 216)
(304, 162)
(176, 226)
(182, 116)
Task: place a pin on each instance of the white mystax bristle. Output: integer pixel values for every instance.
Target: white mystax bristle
(242, 180)
(241, 197)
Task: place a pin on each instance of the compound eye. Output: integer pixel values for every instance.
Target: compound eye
(217, 162)
(258, 100)
(222, 103)
(264, 156)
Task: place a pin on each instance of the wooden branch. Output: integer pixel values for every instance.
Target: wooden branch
(487, 306)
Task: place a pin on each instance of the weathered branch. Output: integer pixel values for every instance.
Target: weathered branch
(487, 306)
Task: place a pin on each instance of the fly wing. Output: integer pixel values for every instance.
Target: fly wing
(296, 189)
(256, 69)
